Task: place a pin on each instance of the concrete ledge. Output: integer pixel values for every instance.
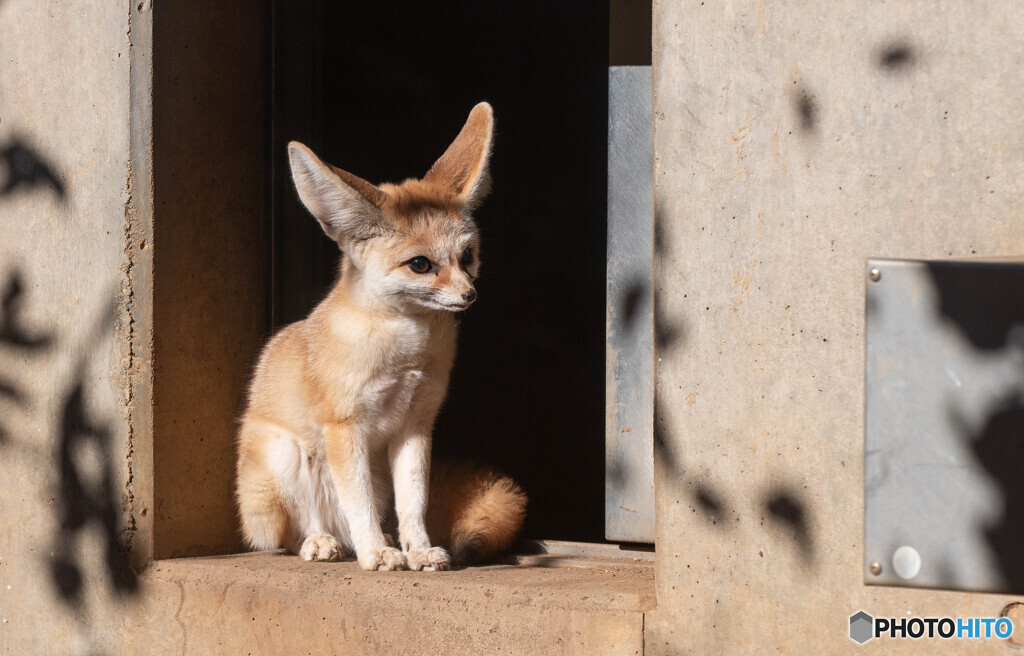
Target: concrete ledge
(272, 603)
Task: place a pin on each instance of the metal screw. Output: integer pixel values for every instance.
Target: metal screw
(875, 275)
(875, 568)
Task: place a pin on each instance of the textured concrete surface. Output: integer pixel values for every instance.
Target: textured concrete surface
(76, 298)
(210, 70)
(65, 324)
(277, 604)
(790, 146)
(131, 147)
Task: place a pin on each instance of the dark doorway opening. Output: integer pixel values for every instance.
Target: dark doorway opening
(380, 90)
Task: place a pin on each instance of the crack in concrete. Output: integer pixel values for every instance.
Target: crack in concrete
(126, 333)
(133, 328)
(181, 623)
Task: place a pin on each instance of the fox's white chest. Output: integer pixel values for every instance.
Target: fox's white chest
(387, 402)
(395, 374)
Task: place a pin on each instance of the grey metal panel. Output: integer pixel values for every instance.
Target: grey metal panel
(629, 445)
(944, 442)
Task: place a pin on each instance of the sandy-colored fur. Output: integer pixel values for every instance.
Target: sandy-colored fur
(337, 433)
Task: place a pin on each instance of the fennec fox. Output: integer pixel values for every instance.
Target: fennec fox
(342, 404)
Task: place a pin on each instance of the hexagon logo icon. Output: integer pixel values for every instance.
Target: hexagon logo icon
(862, 627)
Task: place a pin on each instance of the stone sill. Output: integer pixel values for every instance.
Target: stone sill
(273, 603)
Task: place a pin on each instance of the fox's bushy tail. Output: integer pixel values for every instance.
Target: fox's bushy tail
(474, 511)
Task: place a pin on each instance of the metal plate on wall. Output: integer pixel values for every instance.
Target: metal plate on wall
(629, 423)
(944, 425)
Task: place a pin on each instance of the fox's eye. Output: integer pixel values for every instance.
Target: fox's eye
(467, 258)
(419, 264)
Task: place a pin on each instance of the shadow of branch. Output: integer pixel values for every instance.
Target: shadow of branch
(27, 170)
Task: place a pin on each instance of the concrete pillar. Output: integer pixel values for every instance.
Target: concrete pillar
(791, 144)
(69, 254)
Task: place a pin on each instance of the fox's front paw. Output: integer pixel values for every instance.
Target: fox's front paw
(321, 546)
(434, 559)
(385, 560)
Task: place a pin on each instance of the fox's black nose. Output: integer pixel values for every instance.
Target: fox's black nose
(470, 295)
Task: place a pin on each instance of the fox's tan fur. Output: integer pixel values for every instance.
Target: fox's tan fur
(338, 429)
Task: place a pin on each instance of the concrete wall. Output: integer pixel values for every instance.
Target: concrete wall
(210, 174)
(790, 145)
(789, 148)
(69, 256)
(85, 165)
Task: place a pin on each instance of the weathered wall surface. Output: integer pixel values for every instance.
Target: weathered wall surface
(68, 265)
(277, 604)
(790, 146)
(209, 171)
(84, 163)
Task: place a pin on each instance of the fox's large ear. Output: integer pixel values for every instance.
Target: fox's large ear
(463, 168)
(347, 207)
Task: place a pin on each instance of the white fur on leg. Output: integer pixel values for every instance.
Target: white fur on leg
(410, 465)
(304, 479)
(355, 488)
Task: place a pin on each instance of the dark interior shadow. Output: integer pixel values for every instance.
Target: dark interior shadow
(383, 101)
